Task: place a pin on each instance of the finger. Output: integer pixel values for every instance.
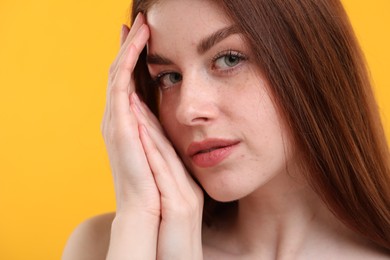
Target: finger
(139, 41)
(103, 123)
(106, 115)
(174, 184)
(145, 111)
(161, 172)
(174, 162)
(154, 128)
(119, 103)
(143, 118)
(123, 83)
(138, 22)
(126, 41)
(165, 148)
(124, 33)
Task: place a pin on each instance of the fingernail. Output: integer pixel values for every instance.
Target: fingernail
(136, 18)
(123, 30)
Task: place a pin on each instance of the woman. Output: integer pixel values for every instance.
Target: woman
(267, 145)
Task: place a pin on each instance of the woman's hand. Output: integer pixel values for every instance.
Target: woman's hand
(159, 206)
(135, 227)
(181, 198)
(134, 184)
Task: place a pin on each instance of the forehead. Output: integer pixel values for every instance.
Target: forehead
(174, 23)
(186, 10)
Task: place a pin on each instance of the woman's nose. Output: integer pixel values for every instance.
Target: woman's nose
(198, 102)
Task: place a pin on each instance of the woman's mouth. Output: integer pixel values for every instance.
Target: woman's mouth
(210, 152)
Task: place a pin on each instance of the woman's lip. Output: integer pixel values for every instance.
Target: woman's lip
(207, 144)
(210, 152)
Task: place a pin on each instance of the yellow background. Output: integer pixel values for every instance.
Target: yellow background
(54, 58)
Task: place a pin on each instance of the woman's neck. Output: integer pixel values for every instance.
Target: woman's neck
(278, 221)
(286, 219)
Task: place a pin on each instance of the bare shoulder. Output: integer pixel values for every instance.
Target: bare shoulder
(370, 251)
(90, 240)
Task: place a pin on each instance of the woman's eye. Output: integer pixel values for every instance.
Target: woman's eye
(168, 79)
(228, 61)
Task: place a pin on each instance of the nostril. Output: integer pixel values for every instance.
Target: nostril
(191, 114)
(201, 119)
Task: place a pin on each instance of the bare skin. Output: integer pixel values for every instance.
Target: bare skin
(90, 241)
(159, 206)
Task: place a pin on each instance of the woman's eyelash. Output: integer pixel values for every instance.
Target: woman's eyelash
(231, 53)
(157, 80)
(158, 77)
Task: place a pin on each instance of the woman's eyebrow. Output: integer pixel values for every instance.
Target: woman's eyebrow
(216, 37)
(155, 59)
(204, 45)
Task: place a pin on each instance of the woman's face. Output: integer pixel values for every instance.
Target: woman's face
(214, 103)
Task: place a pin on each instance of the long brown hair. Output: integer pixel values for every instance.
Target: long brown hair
(309, 54)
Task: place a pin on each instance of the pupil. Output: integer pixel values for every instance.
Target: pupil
(231, 60)
(175, 77)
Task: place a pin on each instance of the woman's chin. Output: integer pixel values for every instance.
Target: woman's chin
(225, 194)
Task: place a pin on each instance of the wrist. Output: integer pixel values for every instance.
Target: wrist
(135, 222)
(133, 236)
(180, 240)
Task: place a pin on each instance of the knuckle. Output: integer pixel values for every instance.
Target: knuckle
(119, 136)
(112, 68)
(164, 168)
(115, 89)
(103, 128)
(110, 80)
(123, 66)
(114, 136)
